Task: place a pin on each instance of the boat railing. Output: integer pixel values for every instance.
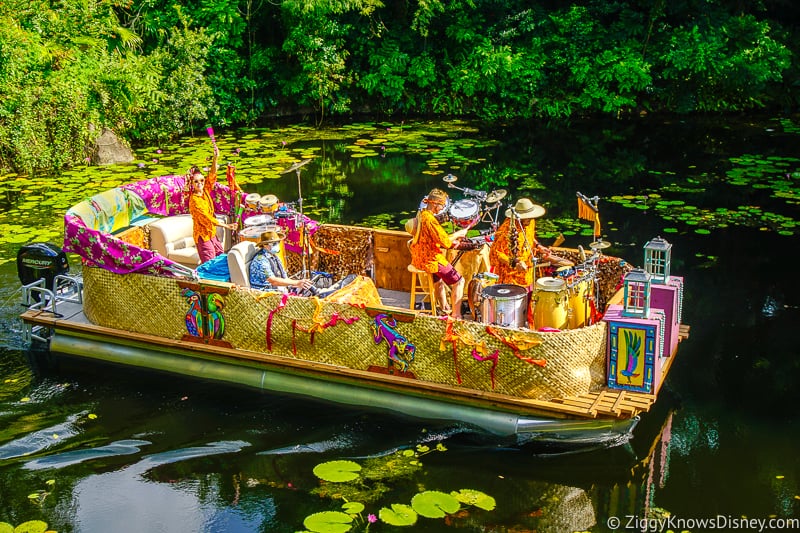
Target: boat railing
(37, 297)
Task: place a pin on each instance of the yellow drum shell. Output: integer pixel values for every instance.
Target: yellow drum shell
(550, 304)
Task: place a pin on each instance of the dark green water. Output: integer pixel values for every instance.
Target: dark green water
(95, 448)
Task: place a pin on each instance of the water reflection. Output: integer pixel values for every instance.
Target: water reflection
(165, 454)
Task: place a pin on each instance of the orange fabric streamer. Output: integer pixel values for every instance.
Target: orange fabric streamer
(454, 337)
(587, 212)
(517, 344)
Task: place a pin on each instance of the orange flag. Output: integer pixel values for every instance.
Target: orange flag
(587, 211)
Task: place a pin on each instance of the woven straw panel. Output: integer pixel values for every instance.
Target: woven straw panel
(148, 304)
(353, 244)
(134, 302)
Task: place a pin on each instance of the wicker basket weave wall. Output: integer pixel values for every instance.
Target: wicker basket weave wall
(575, 359)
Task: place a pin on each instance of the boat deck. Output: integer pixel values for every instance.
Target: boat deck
(604, 403)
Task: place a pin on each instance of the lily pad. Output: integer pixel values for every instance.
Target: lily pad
(328, 522)
(337, 471)
(434, 504)
(353, 507)
(32, 526)
(5, 527)
(399, 515)
(476, 498)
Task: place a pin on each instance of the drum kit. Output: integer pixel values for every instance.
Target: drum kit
(468, 212)
(563, 301)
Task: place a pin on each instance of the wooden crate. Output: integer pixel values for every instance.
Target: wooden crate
(391, 259)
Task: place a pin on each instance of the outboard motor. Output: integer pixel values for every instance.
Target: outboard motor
(41, 260)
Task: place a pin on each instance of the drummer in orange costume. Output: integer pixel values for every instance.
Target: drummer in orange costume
(515, 245)
(426, 250)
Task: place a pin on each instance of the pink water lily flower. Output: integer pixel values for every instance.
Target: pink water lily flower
(371, 518)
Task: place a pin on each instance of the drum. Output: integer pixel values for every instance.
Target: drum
(465, 213)
(251, 200)
(258, 220)
(442, 216)
(581, 290)
(504, 305)
(479, 281)
(252, 233)
(268, 203)
(550, 301)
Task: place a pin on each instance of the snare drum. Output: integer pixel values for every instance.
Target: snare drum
(550, 301)
(504, 305)
(465, 213)
(581, 290)
(258, 220)
(442, 215)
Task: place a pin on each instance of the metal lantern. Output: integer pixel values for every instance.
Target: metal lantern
(636, 296)
(657, 259)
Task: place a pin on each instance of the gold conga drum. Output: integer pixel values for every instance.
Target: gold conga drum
(550, 303)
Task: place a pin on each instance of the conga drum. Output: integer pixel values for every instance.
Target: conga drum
(251, 200)
(581, 290)
(550, 303)
(268, 203)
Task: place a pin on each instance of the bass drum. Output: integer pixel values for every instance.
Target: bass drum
(505, 305)
(550, 301)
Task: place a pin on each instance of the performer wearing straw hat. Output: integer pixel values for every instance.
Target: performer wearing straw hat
(201, 207)
(426, 250)
(267, 272)
(515, 245)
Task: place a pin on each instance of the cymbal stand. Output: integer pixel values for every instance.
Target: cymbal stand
(302, 223)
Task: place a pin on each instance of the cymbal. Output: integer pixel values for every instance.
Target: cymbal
(296, 166)
(599, 245)
(269, 200)
(496, 196)
(449, 179)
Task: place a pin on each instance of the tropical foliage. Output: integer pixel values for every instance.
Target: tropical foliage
(154, 69)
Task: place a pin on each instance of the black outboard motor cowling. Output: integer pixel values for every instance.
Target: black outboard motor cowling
(41, 260)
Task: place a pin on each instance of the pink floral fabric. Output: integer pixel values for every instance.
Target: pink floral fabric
(87, 226)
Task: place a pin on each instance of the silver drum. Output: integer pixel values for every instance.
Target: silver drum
(505, 305)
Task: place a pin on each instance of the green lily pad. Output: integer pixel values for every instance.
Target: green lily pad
(434, 504)
(32, 526)
(398, 515)
(5, 527)
(476, 498)
(353, 507)
(328, 522)
(337, 471)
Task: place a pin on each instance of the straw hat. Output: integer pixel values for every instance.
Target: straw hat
(269, 237)
(525, 208)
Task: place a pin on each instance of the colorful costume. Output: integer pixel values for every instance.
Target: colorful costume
(430, 238)
(505, 254)
(205, 222)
